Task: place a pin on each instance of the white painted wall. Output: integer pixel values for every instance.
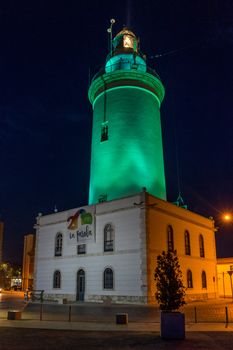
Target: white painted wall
(125, 260)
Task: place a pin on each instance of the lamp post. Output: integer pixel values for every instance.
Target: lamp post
(230, 274)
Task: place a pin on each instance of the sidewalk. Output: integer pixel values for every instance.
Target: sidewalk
(94, 326)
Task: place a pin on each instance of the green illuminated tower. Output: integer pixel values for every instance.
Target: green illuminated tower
(127, 150)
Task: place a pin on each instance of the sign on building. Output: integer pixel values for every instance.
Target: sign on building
(80, 226)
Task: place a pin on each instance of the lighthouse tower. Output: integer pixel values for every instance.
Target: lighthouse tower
(127, 150)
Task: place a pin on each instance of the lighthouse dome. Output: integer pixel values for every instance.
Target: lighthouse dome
(124, 54)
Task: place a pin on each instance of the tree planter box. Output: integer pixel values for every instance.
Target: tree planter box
(172, 325)
(14, 315)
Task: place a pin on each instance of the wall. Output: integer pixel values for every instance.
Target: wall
(28, 261)
(1, 241)
(125, 260)
(224, 281)
(132, 157)
(159, 215)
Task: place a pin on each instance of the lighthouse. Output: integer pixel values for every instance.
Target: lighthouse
(107, 250)
(127, 150)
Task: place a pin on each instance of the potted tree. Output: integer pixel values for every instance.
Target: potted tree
(170, 294)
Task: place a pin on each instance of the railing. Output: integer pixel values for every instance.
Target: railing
(34, 295)
(209, 313)
(120, 66)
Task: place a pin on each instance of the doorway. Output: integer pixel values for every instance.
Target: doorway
(80, 285)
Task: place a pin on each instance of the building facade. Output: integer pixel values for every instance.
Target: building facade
(28, 261)
(1, 241)
(109, 253)
(225, 272)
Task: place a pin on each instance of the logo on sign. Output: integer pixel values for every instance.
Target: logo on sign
(80, 225)
(86, 219)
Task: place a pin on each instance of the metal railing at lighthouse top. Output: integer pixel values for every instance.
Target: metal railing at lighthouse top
(121, 66)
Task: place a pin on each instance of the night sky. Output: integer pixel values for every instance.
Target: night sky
(48, 51)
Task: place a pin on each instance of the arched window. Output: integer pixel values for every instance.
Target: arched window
(108, 238)
(58, 244)
(170, 239)
(108, 278)
(201, 245)
(57, 279)
(203, 280)
(189, 279)
(187, 243)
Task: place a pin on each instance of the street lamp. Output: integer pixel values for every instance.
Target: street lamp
(227, 217)
(230, 274)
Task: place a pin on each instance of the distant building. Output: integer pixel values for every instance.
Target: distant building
(225, 278)
(1, 241)
(28, 261)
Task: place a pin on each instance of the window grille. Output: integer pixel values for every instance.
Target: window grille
(57, 279)
(203, 280)
(108, 238)
(170, 239)
(187, 243)
(201, 245)
(81, 249)
(108, 278)
(189, 279)
(58, 244)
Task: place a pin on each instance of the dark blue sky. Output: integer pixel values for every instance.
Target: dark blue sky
(47, 51)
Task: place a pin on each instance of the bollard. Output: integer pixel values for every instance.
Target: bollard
(14, 315)
(226, 312)
(122, 318)
(69, 313)
(195, 314)
(41, 311)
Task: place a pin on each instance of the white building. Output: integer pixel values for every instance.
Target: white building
(108, 251)
(93, 261)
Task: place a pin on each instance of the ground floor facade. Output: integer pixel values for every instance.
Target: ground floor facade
(225, 277)
(107, 252)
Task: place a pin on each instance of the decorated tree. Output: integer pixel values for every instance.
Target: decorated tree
(8, 272)
(168, 277)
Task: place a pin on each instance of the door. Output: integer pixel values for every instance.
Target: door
(80, 285)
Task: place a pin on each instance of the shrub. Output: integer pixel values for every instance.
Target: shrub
(170, 292)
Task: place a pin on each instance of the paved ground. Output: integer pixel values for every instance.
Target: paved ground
(41, 339)
(91, 312)
(94, 327)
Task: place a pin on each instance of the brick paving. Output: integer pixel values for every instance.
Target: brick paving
(41, 339)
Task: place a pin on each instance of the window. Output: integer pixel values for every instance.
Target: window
(170, 240)
(189, 279)
(201, 245)
(108, 238)
(57, 279)
(102, 198)
(203, 279)
(108, 278)
(104, 132)
(58, 244)
(187, 243)
(81, 249)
